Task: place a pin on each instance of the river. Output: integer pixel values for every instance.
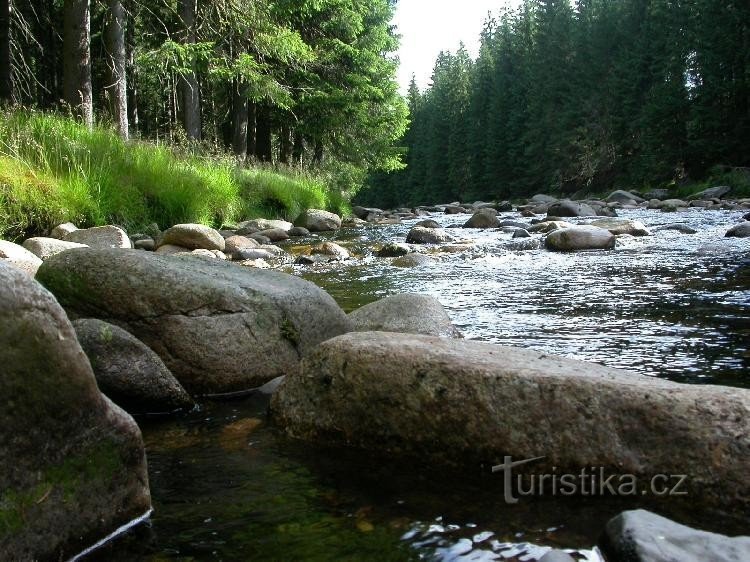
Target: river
(226, 485)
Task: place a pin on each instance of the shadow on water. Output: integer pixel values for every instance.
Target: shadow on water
(227, 485)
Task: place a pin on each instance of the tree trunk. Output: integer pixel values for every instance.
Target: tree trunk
(118, 87)
(133, 117)
(285, 144)
(6, 71)
(264, 145)
(298, 150)
(318, 153)
(239, 120)
(189, 92)
(252, 112)
(77, 60)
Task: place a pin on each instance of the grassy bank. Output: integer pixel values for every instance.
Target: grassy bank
(54, 170)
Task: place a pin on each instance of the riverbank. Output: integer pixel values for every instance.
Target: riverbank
(54, 170)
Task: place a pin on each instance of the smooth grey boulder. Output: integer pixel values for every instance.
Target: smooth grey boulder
(127, 371)
(218, 327)
(298, 232)
(428, 223)
(171, 250)
(579, 238)
(454, 210)
(259, 225)
(711, 193)
(62, 230)
(413, 260)
(275, 234)
(236, 243)
(521, 233)
(541, 198)
(622, 226)
(484, 218)
(332, 250)
(741, 230)
(316, 220)
(19, 257)
(422, 235)
(45, 247)
(393, 250)
(73, 463)
(364, 212)
(567, 208)
(408, 313)
(625, 197)
(466, 403)
(193, 236)
(100, 237)
(642, 536)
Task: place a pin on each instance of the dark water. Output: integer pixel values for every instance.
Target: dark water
(228, 486)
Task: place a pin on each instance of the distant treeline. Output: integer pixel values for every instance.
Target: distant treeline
(603, 94)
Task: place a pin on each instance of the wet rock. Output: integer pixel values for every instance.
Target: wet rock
(428, 223)
(570, 209)
(422, 235)
(147, 244)
(514, 224)
(521, 233)
(624, 197)
(364, 212)
(557, 556)
(504, 206)
(622, 226)
(259, 238)
(259, 225)
(717, 192)
(62, 230)
(74, 466)
(298, 232)
(193, 236)
(466, 403)
(127, 371)
(274, 234)
(524, 244)
(234, 244)
(316, 220)
(19, 257)
(741, 230)
(670, 205)
(100, 237)
(331, 249)
(548, 226)
(244, 254)
(682, 228)
(408, 313)
(312, 259)
(580, 238)
(484, 218)
(413, 260)
(642, 536)
(353, 222)
(393, 250)
(218, 327)
(454, 210)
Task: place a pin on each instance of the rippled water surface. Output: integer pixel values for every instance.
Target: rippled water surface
(227, 486)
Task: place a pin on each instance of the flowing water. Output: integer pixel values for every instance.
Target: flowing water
(227, 485)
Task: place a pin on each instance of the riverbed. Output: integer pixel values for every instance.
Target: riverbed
(226, 485)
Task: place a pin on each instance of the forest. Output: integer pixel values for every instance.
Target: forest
(581, 98)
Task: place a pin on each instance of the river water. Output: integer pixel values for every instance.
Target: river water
(227, 485)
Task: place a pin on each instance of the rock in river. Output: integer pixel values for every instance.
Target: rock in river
(73, 463)
(741, 230)
(409, 313)
(218, 327)
(127, 371)
(570, 209)
(316, 220)
(484, 218)
(422, 235)
(580, 238)
(622, 226)
(194, 237)
(468, 403)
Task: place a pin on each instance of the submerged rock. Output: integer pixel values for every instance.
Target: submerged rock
(217, 326)
(422, 235)
(100, 237)
(393, 250)
(413, 260)
(127, 371)
(73, 463)
(681, 228)
(467, 403)
(332, 250)
(19, 257)
(409, 313)
(193, 236)
(642, 536)
(580, 238)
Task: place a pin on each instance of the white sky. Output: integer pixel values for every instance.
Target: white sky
(430, 26)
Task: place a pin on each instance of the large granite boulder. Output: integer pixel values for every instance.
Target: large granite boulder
(468, 403)
(642, 536)
(193, 237)
(316, 220)
(19, 257)
(46, 247)
(127, 371)
(100, 237)
(408, 313)
(579, 238)
(567, 208)
(218, 327)
(73, 463)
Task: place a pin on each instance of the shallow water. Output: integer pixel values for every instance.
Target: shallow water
(227, 486)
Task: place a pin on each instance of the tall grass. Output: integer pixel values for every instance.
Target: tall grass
(54, 170)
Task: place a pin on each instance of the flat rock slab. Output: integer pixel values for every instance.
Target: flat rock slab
(468, 403)
(73, 463)
(218, 327)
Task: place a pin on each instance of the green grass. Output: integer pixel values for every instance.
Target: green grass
(54, 170)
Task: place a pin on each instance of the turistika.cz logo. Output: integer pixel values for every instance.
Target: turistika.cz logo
(590, 481)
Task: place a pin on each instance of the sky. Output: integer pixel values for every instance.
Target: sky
(430, 26)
